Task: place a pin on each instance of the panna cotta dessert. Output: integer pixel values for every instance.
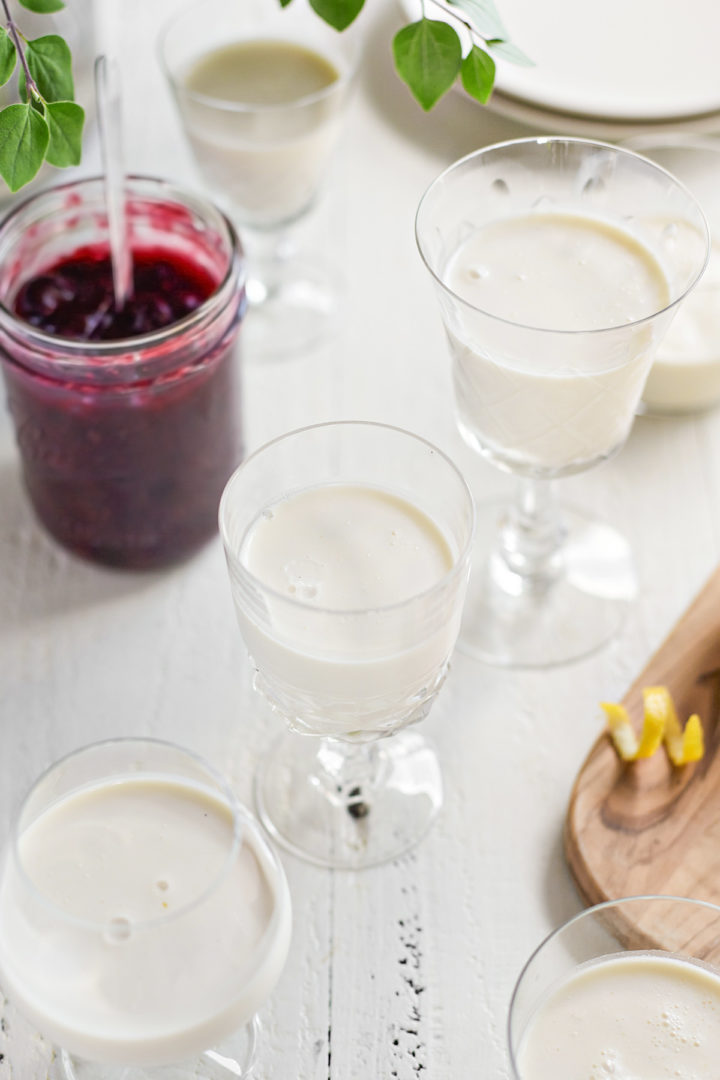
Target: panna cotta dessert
(262, 116)
(558, 400)
(333, 558)
(629, 1016)
(143, 920)
(685, 375)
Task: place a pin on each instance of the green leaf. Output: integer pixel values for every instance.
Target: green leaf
(50, 65)
(428, 56)
(484, 17)
(8, 56)
(24, 138)
(478, 74)
(65, 122)
(510, 52)
(339, 13)
(42, 7)
(284, 3)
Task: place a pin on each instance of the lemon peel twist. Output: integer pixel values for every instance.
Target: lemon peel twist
(660, 724)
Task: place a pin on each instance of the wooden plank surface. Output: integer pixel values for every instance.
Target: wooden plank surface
(406, 970)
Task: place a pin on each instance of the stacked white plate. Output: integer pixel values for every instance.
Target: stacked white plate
(609, 69)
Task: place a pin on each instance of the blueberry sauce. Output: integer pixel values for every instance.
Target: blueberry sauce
(74, 298)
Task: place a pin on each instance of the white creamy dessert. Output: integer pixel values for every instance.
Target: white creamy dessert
(552, 397)
(340, 630)
(685, 374)
(262, 117)
(632, 1016)
(136, 933)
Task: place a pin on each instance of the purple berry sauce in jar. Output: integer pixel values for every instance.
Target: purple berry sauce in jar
(127, 423)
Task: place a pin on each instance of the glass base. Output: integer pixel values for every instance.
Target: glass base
(511, 621)
(349, 805)
(293, 306)
(234, 1058)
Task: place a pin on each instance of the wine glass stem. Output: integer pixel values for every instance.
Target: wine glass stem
(531, 538)
(350, 772)
(269, 252)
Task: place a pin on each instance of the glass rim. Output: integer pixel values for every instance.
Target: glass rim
(542, 140)
(79, 348)
(344, 77)
(240, 819)
(669, 140)
(459, 563)
(579, 916)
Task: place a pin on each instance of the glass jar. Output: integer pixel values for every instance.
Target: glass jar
(125, 444)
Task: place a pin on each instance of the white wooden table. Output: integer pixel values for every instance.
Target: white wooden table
(404, 970)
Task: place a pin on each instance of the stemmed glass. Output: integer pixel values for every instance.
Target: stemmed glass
(143, 916)
(367, 531)
(558, 265)
(630, 987)
(263, 143)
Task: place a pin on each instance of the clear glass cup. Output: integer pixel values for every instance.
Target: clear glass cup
(685, 375)
(144, 919)
(125, 444)
(552, 584)
(630, 987)
(265, 160)
(337, 790)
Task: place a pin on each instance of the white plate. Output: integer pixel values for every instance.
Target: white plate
(631, 61)
(554, 122)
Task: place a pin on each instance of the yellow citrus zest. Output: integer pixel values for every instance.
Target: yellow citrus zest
(627, 744)
(660, 724)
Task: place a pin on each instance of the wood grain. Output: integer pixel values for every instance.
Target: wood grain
(647, 827)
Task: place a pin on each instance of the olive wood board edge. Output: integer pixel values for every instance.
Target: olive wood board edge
(647, 827)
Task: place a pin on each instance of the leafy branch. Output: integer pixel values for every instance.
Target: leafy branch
(46, 124)
(428, 53)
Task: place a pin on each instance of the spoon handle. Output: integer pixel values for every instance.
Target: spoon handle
(109, 101)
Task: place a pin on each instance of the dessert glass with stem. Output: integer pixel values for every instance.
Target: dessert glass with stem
(628, 987)
(144, 918)
(263, 144)
(558, 265)
(345, 655)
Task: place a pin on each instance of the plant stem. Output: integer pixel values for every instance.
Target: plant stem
(474, 33)
(12, 30)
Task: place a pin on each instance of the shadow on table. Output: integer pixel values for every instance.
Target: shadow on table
(37, 577)
(454, 127)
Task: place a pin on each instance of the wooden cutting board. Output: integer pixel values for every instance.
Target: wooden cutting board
(647, 827)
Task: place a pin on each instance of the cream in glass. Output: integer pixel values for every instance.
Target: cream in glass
(347, 547)
(262, 92)
(628, 989)
(558, 265)
(143, 918)
(630, 1017)
(270, 178)
(685, 375)
(557, 271)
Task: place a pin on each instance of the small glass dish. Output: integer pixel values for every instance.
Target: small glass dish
(685, 376)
